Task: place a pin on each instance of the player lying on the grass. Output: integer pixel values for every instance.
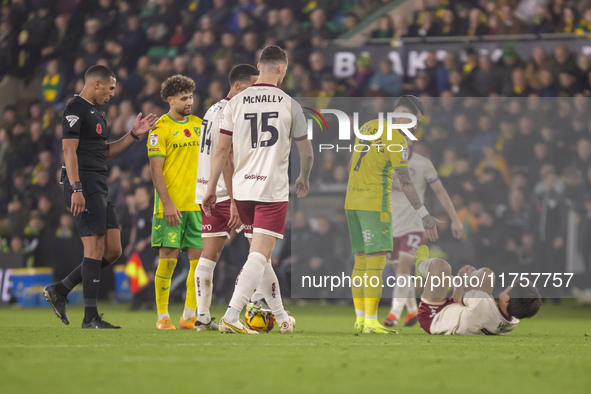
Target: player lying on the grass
(408, 232)
(470, 310)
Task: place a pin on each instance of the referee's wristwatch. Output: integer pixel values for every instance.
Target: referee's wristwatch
(76, 187)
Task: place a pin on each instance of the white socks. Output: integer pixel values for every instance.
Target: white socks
(269, 287)
(188, 313)
(246, 284)
(403, 296)
(423, 268)
(399, 295)
(163, 315)
(204, 288)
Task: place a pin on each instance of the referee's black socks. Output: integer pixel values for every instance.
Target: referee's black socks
(75, 277)
(91, 279)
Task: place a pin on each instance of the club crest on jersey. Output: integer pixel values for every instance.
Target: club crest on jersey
(154, 139)
(187, 133)
(72, 119)
(99, 129)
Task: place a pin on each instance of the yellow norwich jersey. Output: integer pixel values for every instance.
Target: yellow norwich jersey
(178, 143)
(372, 167)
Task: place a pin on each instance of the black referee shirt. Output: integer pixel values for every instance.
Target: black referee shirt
(82, 121)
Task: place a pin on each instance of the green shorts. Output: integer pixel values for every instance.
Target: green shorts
(370, 232)
(185, 235)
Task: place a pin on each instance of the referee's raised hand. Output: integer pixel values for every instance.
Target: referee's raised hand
(142, 126)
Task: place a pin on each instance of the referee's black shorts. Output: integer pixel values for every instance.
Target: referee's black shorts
(100, 210)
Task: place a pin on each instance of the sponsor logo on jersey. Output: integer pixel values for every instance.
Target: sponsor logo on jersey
(404, 153)
(72, 119)
(256, 177)
(175, 133)
(206, 227)
(367, 236)
(92, 112)
(184, 144)
(203, 181)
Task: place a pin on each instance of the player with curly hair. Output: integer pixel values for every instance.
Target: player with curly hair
(173, 149)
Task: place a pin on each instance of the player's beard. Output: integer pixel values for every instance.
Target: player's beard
(184, 111)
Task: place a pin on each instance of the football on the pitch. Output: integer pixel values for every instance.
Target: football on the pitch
(260, 321)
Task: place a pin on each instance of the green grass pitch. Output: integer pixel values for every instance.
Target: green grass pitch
(38, 354)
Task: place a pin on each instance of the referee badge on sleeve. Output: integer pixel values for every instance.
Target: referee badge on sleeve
(154, 139)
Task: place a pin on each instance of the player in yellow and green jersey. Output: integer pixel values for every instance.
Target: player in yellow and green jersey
(367, 206)
(173, 149)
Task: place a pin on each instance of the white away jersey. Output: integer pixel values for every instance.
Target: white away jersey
(210, 135)
(404, 217)
(480, 315)
(262, 120)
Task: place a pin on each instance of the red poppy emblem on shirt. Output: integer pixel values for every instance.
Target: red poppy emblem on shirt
(187, 133)
(99, 129)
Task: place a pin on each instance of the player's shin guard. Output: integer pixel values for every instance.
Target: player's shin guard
(269, 287)
(373, 286)
(191, 298)
(247, 282)
(162, 285)
(204, 288)
(357, 285)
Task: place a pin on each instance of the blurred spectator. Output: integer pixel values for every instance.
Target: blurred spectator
(385, 28)
(32, 39)
(538, 62)
(515, 220)
(547, 86)
(509, 23)
(493, 161)
(53, 83)
(220, 14)
(386, 82)
(133, 42)
(546, 230)
(484, 80)
(474, 25)
(288, 27)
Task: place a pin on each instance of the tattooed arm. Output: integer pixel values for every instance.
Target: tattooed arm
(415, 200)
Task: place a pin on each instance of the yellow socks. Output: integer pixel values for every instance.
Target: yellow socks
(162, 285)
(357, 286)
(373, 289)
(191, 300)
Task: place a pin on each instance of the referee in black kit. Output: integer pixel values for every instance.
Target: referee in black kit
(85, 189)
